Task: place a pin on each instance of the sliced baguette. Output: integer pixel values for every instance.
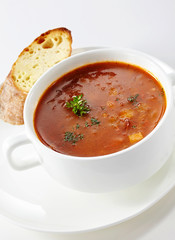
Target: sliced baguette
(44, 52)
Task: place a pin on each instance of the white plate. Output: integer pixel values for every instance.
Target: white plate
(33, 200)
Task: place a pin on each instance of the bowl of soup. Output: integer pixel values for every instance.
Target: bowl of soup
(102, 120)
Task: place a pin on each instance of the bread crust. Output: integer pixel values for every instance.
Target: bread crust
(12, 99)
(11, 102)
(56, 29)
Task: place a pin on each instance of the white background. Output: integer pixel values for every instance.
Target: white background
(146, 25)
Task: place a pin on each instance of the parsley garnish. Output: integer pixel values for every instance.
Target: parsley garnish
(94, 121)
(72, 137)
(86, 124)
(78, 105)
(117, 99)
(77, 126)
(133, 99)
(134, 126)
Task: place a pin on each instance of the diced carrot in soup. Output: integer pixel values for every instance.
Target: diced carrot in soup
(135, 137)
(110, 104)
(127, 113)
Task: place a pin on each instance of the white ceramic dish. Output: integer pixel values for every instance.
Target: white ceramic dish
(116, 171)
(32, 199)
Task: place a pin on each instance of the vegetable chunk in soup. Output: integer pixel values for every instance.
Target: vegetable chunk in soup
(98, 109)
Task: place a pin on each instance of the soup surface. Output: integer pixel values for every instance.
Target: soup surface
(99, 109)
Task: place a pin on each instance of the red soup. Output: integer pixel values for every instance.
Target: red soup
(98, 109)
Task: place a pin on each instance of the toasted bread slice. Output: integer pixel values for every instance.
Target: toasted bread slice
(44, 52)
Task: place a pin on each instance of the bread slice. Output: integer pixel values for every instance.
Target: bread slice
(44, 52)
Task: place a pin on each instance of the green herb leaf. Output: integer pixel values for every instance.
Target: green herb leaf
(86, 124)
(78, 105)
(77, 126)
(117, 99)
(94, 121)
(133, 99)
(134, 126)
(72, 137)
(81, 136)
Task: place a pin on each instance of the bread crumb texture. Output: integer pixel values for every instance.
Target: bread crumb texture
(44, 52)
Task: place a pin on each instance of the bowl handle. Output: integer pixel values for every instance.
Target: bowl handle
(12, 143)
